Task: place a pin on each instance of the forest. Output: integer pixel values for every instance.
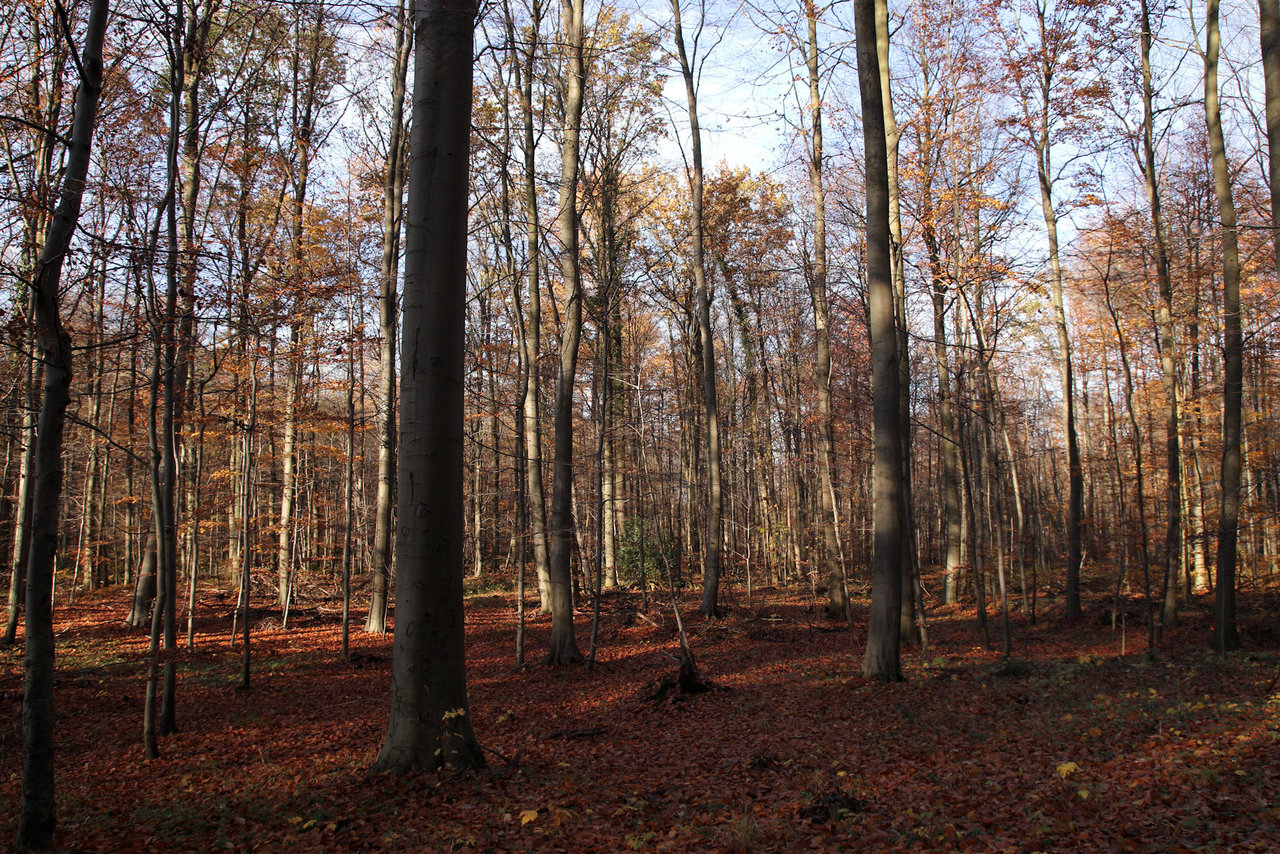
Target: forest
(811, 422)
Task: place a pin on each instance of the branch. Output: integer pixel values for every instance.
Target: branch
(18, 120)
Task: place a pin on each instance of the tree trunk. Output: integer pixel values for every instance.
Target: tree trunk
(22, 504)
(710, 605)
(837, 606)
(883, 637)
(1225, 634)
(531, 323)
(430, 726)
(1269, 36)
(564, 645)
(1168, 346)
(36, 814)
(910, 559)
(392, 201)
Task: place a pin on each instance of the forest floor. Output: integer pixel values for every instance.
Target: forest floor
(1079, 741)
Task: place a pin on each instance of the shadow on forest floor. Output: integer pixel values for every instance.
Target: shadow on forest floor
(1078, 741)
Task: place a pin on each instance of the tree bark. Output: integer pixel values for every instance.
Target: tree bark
(837, 606)
(36, 814)
(1225, 634)
(882, 661)
(430, 726)
(564, 645)
(392, 202)
(1269, 36)
(710, 605)
(1168, 346)
(908, 628)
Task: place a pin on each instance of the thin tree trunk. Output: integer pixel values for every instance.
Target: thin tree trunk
(36, 813)
(1269, 36)
(531, 325)
(1168, 345)
(22, 505)
(564, 645)
(710, 605)
(392, 199)
(1225, 634)
(834, 567)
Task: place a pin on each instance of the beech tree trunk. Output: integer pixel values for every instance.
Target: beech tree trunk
(837, 606)
(36, 812)
(22, 505)
(564, 645)
(882, 660)
(1225, 634)
(430, 726)
(710, 605)
(392, 202)
(1168, 346)
(908, 628)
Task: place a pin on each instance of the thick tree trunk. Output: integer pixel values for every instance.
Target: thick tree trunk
(883, 636)
(1225, 634)
(430, 726)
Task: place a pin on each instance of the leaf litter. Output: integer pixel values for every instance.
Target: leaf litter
(1069, 744)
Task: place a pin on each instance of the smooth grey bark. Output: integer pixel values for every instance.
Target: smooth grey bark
(1225, 633)
(710, 605)
(531, 324)
(948, 439)
(564, 645)
(37, 808)
(392, 204)
(882, 659)
(429, 725)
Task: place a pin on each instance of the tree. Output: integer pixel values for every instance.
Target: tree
(564, 645)
(1225, 635)
(1168, 351)
(36, 814)
(715, 503)
(1269, 35)
(883, 635)
(430, 726)
(530, 320)
(837, 604)
(1052, 82)
(392, 203)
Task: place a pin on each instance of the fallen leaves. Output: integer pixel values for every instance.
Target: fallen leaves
(1115, 753)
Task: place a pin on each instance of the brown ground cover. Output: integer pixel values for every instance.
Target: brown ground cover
(1078, 742)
